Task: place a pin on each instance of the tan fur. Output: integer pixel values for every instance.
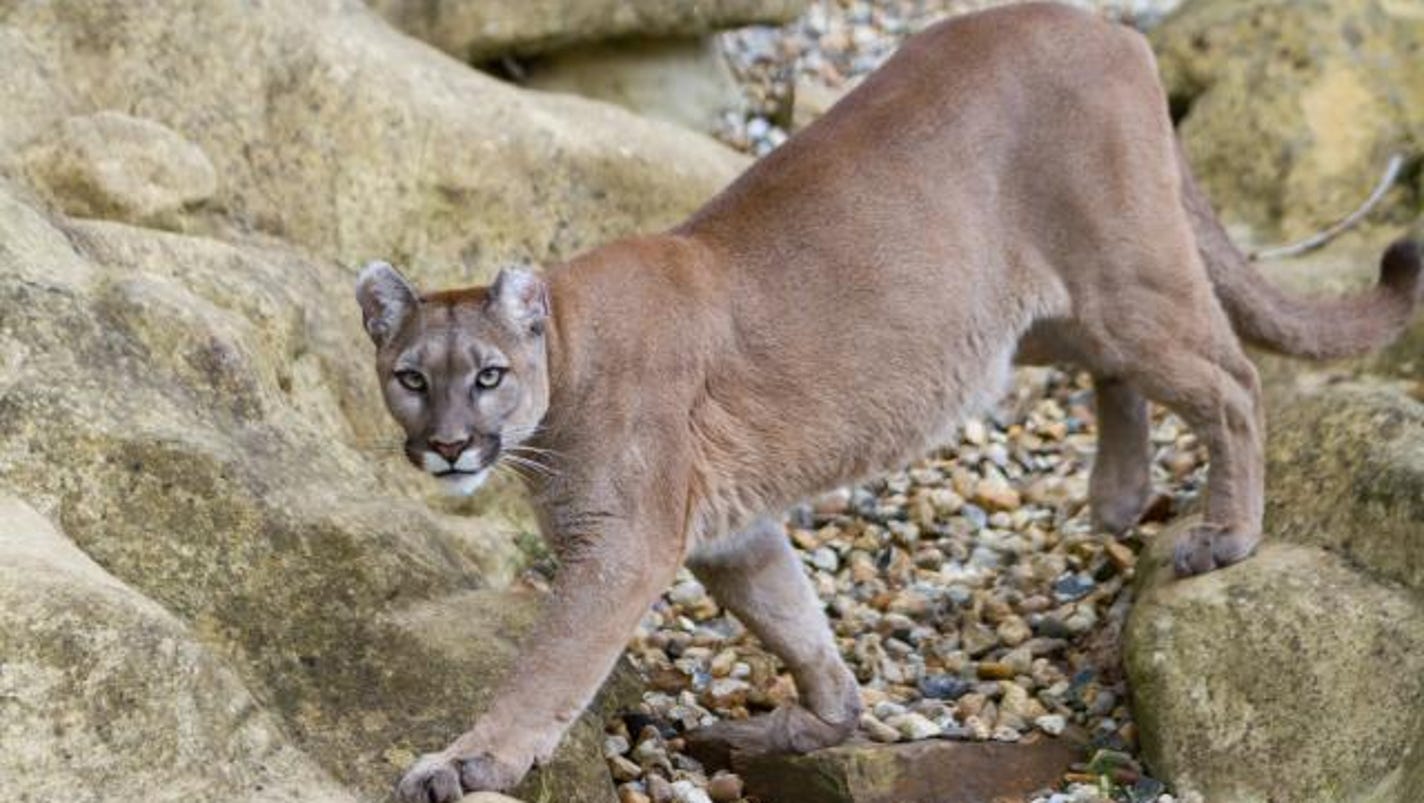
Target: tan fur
(1007, 186)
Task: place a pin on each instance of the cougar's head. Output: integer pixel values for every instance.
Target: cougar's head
(463, 372)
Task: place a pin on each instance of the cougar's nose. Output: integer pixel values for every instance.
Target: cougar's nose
(450, 450)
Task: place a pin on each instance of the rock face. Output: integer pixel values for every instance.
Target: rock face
(351, 141)
(683, 81)
(1299, 674)
(1274, 95)
(176, 404)
(194, 409)
(147, 711)
(477, 30)
(1346, 468)
(114, 166)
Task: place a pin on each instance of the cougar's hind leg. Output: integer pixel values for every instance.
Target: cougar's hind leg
(1121, 481)
(756, 575)
(1204, 377)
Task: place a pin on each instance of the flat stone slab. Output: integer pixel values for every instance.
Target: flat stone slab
(916, 772)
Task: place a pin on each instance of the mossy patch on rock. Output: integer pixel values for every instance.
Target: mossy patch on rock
(119, 167)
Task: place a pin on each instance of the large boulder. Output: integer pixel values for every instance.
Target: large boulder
(1299, 674)
(104, 695)
(336, 133)
(1292, 676)
(477, 30)
(1291, 110)
(683, 80)
(1346, 469)
(194, 406)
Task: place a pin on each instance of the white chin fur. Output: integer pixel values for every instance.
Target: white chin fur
(463, 484)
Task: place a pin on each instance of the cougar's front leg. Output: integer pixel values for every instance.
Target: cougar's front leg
(610, 575)
(756, 575)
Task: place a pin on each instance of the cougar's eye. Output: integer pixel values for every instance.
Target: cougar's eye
(411, 380)
(489, 378)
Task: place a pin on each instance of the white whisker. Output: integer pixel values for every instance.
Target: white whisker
(516, 460)
(533, 450)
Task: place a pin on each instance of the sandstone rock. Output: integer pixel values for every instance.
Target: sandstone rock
(118, 167)
(1346, 472)
(920, 772)
(477, 30)
(33, 97)
(1291, 676)
(683, 81)
(351, 141)
(1274, 95)
(106, 696)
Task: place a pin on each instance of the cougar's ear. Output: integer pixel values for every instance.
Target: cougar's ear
(386, 299)
(522, 298)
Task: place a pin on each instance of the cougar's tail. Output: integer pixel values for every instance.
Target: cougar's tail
(1316, 328)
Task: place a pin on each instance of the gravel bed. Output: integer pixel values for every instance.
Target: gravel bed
(969, 591)
(837, 42)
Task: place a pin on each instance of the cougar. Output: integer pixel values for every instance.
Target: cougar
(1007, 187)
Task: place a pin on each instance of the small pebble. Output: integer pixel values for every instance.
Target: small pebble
(914, 726)
(628, 793)
(944, 687)
(623, 769)
(687, 792)
(724, 787)
(1051, 724)
(878, 731)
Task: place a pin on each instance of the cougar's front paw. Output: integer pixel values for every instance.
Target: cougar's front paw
(433, 778)
(487, 773)
(441, 778)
